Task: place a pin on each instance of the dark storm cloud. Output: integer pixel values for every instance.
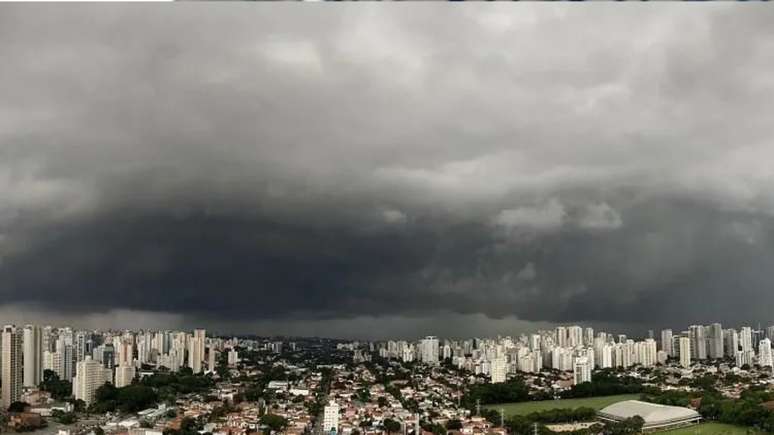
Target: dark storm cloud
(274, 165)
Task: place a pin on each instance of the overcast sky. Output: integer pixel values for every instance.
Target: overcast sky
(376, 170)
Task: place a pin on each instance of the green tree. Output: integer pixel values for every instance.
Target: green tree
(275, 423)
(64, 417)
(58, 388)
(391, 426)
(18, 406)
(454, 424)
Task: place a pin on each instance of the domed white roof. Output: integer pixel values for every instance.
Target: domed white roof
(652, 413)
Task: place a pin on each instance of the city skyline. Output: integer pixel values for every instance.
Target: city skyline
(377, 172)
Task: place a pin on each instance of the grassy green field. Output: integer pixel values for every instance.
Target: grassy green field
(711, 429)
(524, 408)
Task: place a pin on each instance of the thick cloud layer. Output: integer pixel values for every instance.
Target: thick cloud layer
(257, 165)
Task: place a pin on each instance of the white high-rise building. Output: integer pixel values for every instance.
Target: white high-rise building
(661, 357)
(666, 342)
(715, 337)
(588, 336)
(233, 357)
(212, 358)
(12, 366)
(201, 334)
(745, 339)
(195, 358)
(698, 342)
(561, 336)
(53, 361)
(534, 342)
(89, 376)
(764, 353)
(428, 350)
(561, 359)
(647, 352)
(581, 370)
(33, 355)
(732, 342)
(685, 352)
(499, 369)
(124, 376)
(125, 353)
(179, 346)
(574, 336)
(49, 340)
(744, 358)
(605, 358)
(331, 417)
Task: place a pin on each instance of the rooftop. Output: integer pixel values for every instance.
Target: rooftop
(653, 413)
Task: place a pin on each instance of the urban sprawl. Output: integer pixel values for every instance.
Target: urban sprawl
(65, 381)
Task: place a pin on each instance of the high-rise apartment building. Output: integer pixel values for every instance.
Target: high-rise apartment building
(12, 366)
(428, 350)
(745, 339)
(666, 342)
(561, 336)
(764, 353)
(124, 376)
(685, 352)
(647, 352)
(195, 354)
(53, 361)
(698, 342)
(588, 336)
(32, 355)
(212, 358)
(715, 339)
(732, 342)
(233, 357)
(574, 336)
(201, 336)
(581, 370)
(499, 369)
(90, 375)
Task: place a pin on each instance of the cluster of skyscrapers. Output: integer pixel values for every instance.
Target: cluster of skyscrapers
(747, 346)
(88, 359)
(581, 350)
